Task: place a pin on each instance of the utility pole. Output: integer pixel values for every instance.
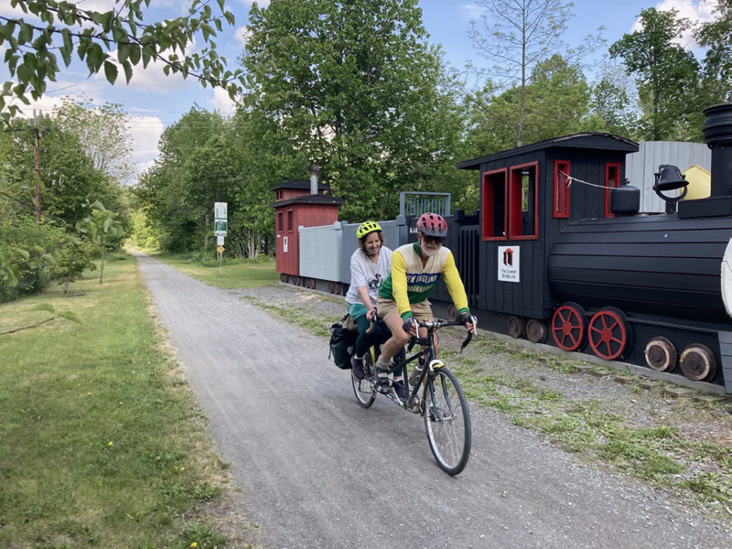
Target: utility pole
(37, 142)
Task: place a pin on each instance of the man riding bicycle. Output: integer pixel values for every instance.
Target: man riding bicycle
(402, 298)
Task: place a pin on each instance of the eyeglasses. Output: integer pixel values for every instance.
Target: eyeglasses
(433, 239)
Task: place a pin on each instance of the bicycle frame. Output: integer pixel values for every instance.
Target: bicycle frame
(428, 348)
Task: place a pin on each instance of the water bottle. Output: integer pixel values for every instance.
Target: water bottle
(414, 377)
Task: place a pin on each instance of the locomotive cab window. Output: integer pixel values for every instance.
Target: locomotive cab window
(612, 180)
(561, 189)
(495, 195)
(523, 202)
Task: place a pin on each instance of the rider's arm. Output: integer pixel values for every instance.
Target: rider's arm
(399, 284)
(455, 285)
(363, 293)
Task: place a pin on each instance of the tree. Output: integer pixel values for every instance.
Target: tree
(103, 133)
(612, 102)
(666, 76)
(67, 175)
(521, 37)
(68, 28)
(355, 88)
(101, 226)
(556, 103)
(168, 193)
(716, 35)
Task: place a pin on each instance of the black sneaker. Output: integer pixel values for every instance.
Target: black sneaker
(357, 370)
(399, 388)
(382, 383)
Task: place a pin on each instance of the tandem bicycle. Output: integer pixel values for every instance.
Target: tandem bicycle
(434, 393)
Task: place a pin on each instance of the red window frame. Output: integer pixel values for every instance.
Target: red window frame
(491, 182)
(612, 180)
(514, 202)
(561, 189)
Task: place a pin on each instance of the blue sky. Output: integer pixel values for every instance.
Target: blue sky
(155, 101)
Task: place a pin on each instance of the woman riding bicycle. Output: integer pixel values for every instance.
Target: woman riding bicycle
(370, 265)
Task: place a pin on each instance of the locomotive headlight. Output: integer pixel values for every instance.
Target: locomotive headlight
(727, 278)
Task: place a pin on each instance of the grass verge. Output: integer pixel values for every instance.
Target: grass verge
(235, 273)
(599, 430)
(103, 444)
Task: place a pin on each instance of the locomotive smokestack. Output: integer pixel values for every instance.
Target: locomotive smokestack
(314, 172)
(718, 136)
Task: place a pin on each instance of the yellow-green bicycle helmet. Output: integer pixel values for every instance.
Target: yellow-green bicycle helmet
(367, 227)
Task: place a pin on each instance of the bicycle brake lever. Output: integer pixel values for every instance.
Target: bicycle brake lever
(465, 343)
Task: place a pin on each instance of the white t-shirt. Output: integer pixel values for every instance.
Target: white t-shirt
(366, 273)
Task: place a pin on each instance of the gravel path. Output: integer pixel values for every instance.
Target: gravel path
(316, 470)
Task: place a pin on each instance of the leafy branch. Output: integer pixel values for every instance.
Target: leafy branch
(30, 60)
(68, 315)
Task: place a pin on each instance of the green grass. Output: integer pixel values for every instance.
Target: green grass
(234, 273)
(103, 444)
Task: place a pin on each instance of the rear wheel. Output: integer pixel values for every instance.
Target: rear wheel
(447, 421)
(364, 388)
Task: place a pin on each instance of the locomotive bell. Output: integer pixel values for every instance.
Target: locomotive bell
(670, 178)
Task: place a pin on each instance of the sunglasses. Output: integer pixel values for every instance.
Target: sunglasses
(433, 239)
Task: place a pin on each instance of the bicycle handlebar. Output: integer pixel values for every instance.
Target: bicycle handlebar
(432, 325)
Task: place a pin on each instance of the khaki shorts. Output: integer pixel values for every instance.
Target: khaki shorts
(387, 307)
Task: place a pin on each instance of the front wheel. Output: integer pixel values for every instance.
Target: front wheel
(447, 421)
(364, 388)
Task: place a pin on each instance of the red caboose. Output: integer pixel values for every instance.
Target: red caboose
(299, 203)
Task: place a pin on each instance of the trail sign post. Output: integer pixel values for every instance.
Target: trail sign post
(220, 227)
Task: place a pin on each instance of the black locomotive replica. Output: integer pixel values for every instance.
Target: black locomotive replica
(559, 253)
(577, 266)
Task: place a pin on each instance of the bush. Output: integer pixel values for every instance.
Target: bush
(20, 245)
(76, 259)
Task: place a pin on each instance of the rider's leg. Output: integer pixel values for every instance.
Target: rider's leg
(399, 338)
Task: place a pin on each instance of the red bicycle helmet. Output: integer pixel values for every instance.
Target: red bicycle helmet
(432, 224)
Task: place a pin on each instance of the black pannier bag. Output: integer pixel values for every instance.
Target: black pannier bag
(342, 345)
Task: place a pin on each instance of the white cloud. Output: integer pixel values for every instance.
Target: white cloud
(242, 35)
(260, 3)
(145, 131)
(474, 11)
(221, 102)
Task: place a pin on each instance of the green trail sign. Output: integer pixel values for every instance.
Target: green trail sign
(220, 226)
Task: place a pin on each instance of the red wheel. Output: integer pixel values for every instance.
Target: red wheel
(569, 327)
(609, 333)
